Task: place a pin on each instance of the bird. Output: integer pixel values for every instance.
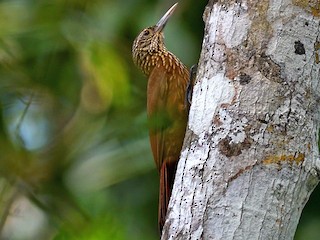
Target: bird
(167, 108)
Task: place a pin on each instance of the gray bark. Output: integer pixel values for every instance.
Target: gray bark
(251, 158)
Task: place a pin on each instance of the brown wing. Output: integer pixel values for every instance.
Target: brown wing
(158, 117)
(167, 122)
(160, 122)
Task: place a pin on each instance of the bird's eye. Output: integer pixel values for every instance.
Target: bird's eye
(146, 32)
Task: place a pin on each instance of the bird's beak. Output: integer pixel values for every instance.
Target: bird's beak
(163, 21)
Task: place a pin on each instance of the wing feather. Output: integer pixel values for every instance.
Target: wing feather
(157, 92)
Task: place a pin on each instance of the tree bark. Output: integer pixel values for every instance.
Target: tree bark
(251, 157)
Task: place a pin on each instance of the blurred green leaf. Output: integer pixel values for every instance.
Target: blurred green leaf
(107, 78)
(75, 154)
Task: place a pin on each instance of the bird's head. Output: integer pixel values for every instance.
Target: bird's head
(151, 39)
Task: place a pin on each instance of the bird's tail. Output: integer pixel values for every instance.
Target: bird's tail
(167, 174)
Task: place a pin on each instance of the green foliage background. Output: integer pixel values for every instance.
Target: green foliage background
(75, 157)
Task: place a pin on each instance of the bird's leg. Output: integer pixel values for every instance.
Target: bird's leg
(192, 78)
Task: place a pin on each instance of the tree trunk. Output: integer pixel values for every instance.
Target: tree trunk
(251, 158)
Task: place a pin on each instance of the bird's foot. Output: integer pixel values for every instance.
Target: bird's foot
(192, 78)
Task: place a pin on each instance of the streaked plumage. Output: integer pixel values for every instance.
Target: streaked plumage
(166, 106)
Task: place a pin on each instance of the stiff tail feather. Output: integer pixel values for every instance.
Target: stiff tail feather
(167, 174)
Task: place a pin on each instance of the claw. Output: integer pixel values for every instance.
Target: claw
(192, 78)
